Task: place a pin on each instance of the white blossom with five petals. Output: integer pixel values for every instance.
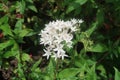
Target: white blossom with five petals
(58, 34)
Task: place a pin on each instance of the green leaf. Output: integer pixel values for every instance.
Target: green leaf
(4, 20)
(20, 6)
(71, 7)
(10, 54)
(117, 74)
(19, 32)
(30, 1)
(119, 49)
(19, 24)
(6, 44)
(68, 73)
(32, 7)
(102, 71)
(81, 2)
(46, 78)
(21, 72)
(37, 70)
(81, 62)
(98, 48)
(13, 52)
(91, 74)
(77, 11)
(91, 29)
(6, 29)
(36, 65)
(100, 16)
(50, 69)
(12, 8)
(1, 7)
(31, 33)
(24, 32)
(25, 57)
(4, 1)
(51, 1)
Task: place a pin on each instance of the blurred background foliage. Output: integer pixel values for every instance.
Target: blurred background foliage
(96, 51)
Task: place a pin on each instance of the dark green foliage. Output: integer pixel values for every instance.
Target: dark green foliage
(96, 48)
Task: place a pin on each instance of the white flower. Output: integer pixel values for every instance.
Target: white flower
(63, 55)
(69, 44)
(47, 53)
(56, 35)
(80, 21)
(59, 49)
(68, 37)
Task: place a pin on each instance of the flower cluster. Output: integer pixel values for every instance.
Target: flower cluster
(56, 35)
